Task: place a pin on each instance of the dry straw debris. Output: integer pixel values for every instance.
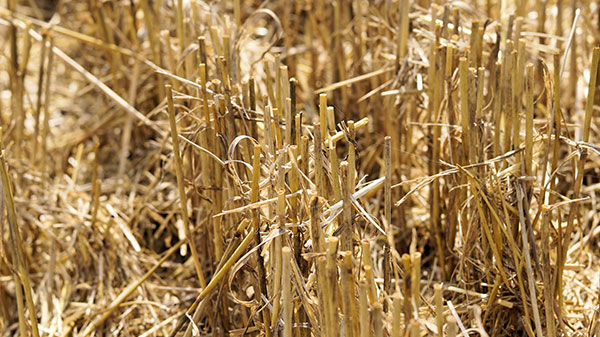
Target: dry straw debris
(299, 168)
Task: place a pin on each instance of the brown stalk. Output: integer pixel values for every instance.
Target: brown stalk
(318, 162)
(346, 225)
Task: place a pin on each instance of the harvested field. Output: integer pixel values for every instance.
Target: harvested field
(299, 168)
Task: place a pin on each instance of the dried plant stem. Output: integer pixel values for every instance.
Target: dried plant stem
(21, 276)
(479, 111)
(276, 129)
(518, 28)
(365, 326)
(464, 109)
(439, 309)
(288, 121)
(324, 295)
(335, 174)
(351, 156)
(255, 179)
(347, 230)
(330, 120)
(348, 268)
(153, 39)
(19, 298)
(40, 91)
(415, 329)
(46, 126)
(387, 274)
(507, 95)
(436, 88)
(548, 273)
(269, 83)
(571, 46)
(278, 89)
(353, 80)
(529, 121)
(589, 106)
(340, 134)
(526, 253)
(338, 51)
(406, 290)
(331, 290)
(404, 24)
(180, 184)
(97, 188)
(75, 172)
(475, 60)
(377, 320)
(452, 327)
(254, 194)
(268, 123)
(366, 258)
(517, 87)
(323, 116)
(415, 279)
(347, 297)
(180, 27)
(171, 62)
(387, 258)
(396, 316)
(497, 143)
(318, 162)
(287, 292)
(304, 156)
(16, 96)
(252, 105)
(278, 258)
(387, 159)
(217, 180)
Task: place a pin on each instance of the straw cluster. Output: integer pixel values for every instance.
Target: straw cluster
(299, 168)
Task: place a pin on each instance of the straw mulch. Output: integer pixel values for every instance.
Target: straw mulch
(299, 168)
